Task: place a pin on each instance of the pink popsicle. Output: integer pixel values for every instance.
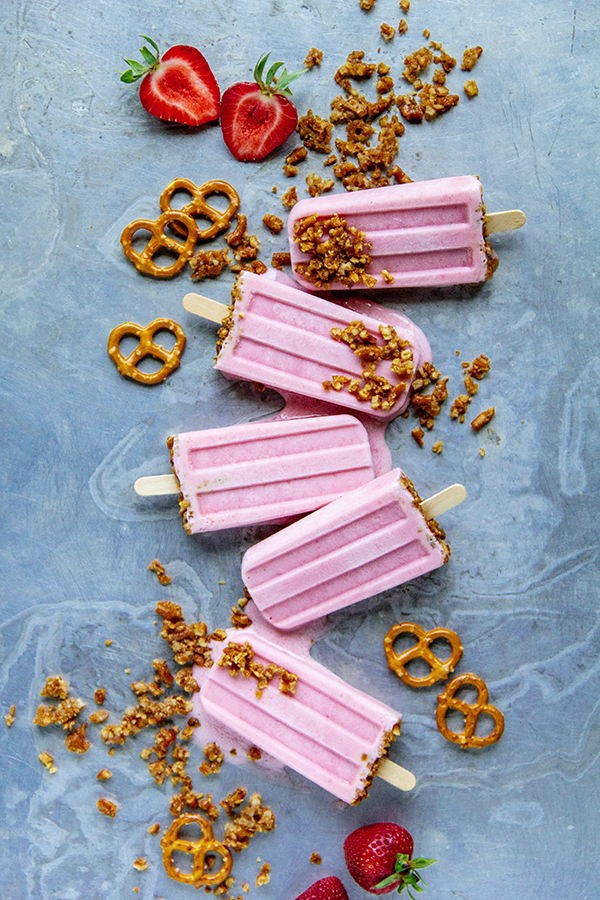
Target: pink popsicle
(369, 540)
(427, 233)
(327, 730)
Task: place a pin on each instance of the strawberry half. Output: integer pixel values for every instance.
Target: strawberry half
(379, 858)
(178, 87)
(326, 889)
(257, 117)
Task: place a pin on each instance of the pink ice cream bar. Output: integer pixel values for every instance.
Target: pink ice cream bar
(376, 537)
(266, 471)
(426, 233)
(283, 337)
(327, 730)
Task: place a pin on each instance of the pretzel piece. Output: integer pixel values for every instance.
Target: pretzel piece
(128, 365)
(144, 260)
(471, 711)
(198, 850)
(199, 206)
(440, 669)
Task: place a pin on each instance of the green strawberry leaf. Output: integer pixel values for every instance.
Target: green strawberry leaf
(405, 876)
(138, 69)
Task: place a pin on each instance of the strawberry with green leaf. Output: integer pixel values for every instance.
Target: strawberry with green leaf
(380, 859)
(257, 117)
(179, 86)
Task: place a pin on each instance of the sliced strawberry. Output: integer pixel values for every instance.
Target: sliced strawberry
(326, 889)
(257, 117)
(179, 87)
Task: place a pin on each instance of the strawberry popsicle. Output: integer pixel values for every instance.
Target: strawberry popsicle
(296, 342)
(303, 715)
(262, 471)
(426, 233)
(376, 537)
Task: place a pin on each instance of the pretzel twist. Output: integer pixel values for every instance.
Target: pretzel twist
(440, 669)
(199, 207)
(128, 365)
(144, 260)
(198, 850)
(471, 711)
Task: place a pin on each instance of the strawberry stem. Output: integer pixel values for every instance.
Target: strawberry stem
(138, 70)
(273, 84)
(404, 875)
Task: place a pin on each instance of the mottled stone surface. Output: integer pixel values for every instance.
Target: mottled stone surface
(79, 159)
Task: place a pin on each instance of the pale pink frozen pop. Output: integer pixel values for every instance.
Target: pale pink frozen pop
(426, 233)
(327, 730)
(373, 538)
(282, 337)
(262, 471)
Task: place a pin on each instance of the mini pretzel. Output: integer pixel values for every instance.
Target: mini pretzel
(144, 261)
(439, 669)
(471, 712)
(199, 850)
(199, 206)
(128, 365)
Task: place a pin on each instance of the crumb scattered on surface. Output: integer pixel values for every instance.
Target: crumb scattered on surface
(403, 26)
(315, 859)
(470, 88)
(154, 829)
(387, 31)
(55, 687)
(240, 619)
(214, 758)
(418, 435)
(107, 807)
(100, 695)
(140, 864)
(281, 259)
(48, 761)
(481, 451)
(313, 58)
(437, 447)
(273, 223)
(9, 718)
(254, 754)
(470, 57)
(155, 565)
(315, 132)
(318, 185)
(483, 419)
(76, 742)
(263, 876)
(290, 197)
(251, 820)
(104, 775)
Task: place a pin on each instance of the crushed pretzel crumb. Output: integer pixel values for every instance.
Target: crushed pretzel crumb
(418, 435)
(437, 447)
(9, 718)
(470, 88)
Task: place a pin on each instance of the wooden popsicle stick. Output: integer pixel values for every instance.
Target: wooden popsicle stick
(396, 775)
(443, 501)
(509, 220)
(205, 307)
(156, 485)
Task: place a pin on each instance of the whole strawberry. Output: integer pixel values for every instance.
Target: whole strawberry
(257, 117)
(179, 86)
(326, 889)
(380, 858)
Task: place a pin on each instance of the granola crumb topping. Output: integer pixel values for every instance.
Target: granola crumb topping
(313, 58)
(315, 859)
(470, 57)
(239, 659)
(470, 88)
(273, 223)
(107, 807)
(9, 718)
(207, 264)
(437, 447)
(483, 419)
(48, 761)
(336, 250)
(263, 876)
(253, 819)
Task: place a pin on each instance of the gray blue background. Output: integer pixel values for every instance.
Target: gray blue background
(79, 158)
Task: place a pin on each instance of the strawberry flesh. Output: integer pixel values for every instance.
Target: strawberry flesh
(182, 88)
(326, 889)
(253, 123)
